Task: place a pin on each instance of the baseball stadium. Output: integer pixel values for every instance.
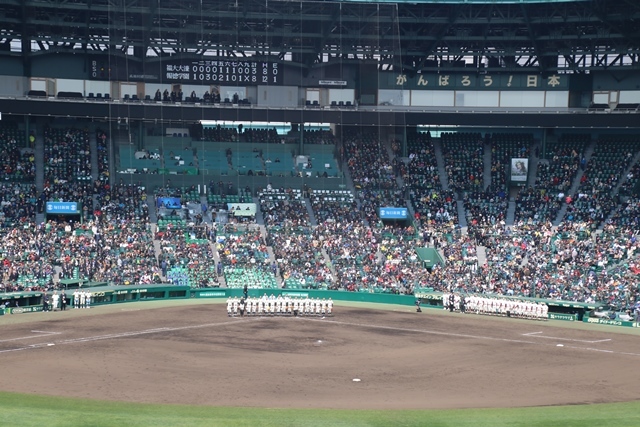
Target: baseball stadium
(319, 213)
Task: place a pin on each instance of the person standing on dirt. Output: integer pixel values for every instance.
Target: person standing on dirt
(63, 301)
(241, 307)
(54, 300)
(45, 302)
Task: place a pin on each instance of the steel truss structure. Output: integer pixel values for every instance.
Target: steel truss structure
(570, 37)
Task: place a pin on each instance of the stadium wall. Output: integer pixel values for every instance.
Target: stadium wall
(102, 294)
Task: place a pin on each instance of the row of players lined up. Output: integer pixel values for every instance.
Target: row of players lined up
(279, 306)
(495, 307)
(80, 299)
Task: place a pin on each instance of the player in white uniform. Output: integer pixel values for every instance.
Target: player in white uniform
(87, 300)
(229, 307)
(76, 299)
(55, 299)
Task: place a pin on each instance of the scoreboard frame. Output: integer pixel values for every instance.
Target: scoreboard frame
(205, 71)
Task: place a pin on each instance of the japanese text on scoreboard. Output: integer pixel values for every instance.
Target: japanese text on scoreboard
(215, 71)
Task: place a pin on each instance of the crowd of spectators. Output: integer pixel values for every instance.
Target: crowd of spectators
(121, 202)
(504, 147)
(25, 264)
(350, 248)
(81, 192)
(333, 206)
(631, 181)
(103, 155)
(401, 266)
(422, 181)
(368, 162)
(280, 206)
(67, 154)
(219, 134)
(318, 137)
(119, 252)
(243, 251)
(240, 133)
(594, 199)
(626, 215)
(299, 258)
(555, 175)
(485, 207)
(537, 205)
(18, 160)
(464, 160)
(353, 250)
(186, 256)
(565, 157)
(18, 203)
(538, 260)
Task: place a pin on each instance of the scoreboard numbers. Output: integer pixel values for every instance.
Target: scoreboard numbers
(219, 72)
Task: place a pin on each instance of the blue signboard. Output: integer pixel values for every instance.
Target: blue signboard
(69, 208)
(393, 213)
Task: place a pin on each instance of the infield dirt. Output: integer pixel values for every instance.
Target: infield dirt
(195, 354)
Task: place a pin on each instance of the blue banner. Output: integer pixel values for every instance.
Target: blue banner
(69, 208)
(393, 213)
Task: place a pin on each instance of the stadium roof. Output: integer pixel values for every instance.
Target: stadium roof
(491, 35)
(463, 1)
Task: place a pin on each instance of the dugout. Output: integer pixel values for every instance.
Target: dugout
(21, 302)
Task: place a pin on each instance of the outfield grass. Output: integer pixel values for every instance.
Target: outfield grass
(37, 411)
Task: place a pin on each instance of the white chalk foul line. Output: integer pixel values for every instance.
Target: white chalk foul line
(122, 335)
(535, 335)
(478, 337)
(27, 337)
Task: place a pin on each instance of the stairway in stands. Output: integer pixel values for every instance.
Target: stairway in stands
(444, 183)
(486, 175)
(93, 149)
(39, 158)
(151, 203)
(442, 171)
(636, 159)
(481, 253)
(588, 152)
(312, 216)
(511, 211)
